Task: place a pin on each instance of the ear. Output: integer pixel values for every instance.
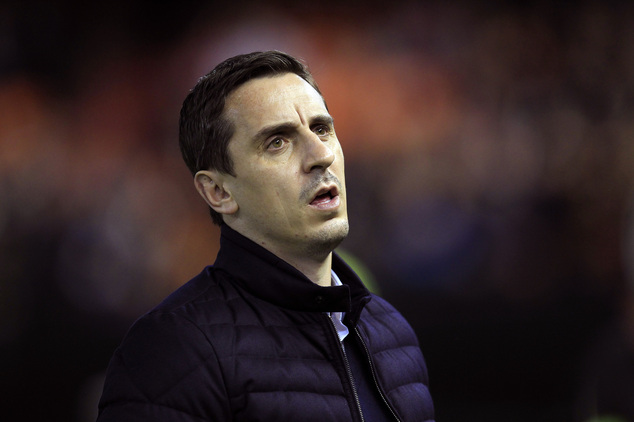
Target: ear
(210, 185)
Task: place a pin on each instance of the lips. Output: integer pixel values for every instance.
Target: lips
(326, 197)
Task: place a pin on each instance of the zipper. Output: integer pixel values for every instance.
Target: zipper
(373, 371)
(348, 370)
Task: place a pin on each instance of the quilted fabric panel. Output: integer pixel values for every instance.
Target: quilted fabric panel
(399, 364)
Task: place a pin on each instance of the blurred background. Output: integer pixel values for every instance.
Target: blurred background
(490, 169)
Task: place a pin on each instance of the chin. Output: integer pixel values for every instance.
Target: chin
(328, 238)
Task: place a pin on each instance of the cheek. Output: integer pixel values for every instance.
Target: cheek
(338, 166)
(339, 160)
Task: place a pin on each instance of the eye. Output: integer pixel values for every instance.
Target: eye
(276, 143)
(322, 130)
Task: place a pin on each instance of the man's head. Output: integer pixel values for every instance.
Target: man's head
(204, 129)
(257, 135)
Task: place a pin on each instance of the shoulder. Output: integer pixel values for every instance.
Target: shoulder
(185, 316)
(159, 348)
(204, 300)
(169, 340)
(379, 315)
(167, 356)
(200, 288)
(391, 339)
(398, 359)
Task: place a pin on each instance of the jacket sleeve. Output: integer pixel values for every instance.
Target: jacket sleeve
(165, 370)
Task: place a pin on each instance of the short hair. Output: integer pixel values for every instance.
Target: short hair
(204, 131)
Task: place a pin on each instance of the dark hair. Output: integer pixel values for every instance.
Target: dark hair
(204, 132)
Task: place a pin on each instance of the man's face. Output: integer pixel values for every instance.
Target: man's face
(290, 182)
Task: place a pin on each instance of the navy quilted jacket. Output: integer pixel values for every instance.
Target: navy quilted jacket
(249, 339)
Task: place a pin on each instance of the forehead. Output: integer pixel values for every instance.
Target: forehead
(267, 100)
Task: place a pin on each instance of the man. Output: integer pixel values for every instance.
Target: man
(279, 328)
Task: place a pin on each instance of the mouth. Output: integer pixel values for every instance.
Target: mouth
(326, 198)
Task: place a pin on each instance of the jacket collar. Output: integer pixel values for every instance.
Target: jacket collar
(272, 279)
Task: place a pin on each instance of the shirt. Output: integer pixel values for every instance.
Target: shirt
(337, 317)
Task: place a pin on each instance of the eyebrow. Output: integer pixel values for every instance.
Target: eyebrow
(269, 130)
(324, 119)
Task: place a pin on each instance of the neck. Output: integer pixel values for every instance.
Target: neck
(315, 262)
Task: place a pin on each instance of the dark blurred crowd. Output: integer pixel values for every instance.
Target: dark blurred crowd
(490, 153)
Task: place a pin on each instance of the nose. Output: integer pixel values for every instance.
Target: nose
(319, 153)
